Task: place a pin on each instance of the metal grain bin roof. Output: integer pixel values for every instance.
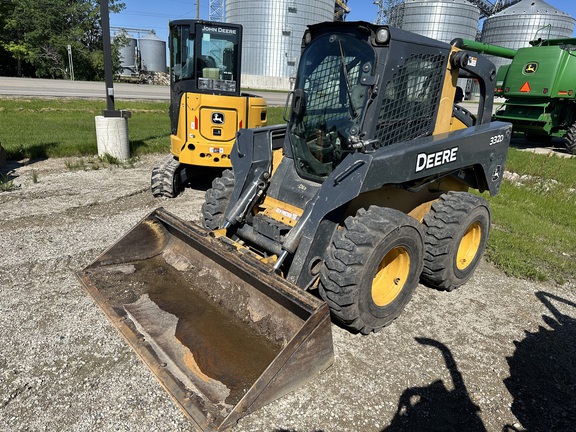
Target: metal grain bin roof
(516, 26)
(443, 20)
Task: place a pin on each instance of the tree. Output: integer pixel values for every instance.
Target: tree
(35, 35)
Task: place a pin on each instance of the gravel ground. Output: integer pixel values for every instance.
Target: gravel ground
(497, 354)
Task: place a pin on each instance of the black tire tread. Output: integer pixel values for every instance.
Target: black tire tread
(440, 222)
(570, 139)
(344, 262)
(216, 200)
(163, 182)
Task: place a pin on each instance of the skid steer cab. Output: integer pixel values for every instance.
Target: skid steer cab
(207, 106)
(338, 213)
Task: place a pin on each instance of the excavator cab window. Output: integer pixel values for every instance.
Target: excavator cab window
(205, 56)
(329, 99)
(181, 53)
(217, 65)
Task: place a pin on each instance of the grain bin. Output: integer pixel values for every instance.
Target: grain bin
(443, 20)
(272, 37)
(127, 54)
(152, 53)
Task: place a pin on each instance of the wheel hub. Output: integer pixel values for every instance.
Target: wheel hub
(469, 245)
(391, 276)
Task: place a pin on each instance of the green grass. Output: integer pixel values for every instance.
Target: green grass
(40, 128)
(534, 221)
(275, 115)
(6, 184)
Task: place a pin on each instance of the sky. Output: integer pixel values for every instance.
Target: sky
(155, 14)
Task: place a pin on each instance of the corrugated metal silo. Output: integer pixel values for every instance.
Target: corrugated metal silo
(527, 20)
(272, 37)
(152, 53)
(127, 55)
(443, 20)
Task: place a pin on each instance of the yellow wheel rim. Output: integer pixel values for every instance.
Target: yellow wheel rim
(469, 246)
(391, 276)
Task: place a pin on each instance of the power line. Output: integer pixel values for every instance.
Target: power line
(147, 14)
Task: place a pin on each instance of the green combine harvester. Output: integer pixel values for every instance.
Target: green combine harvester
(539, 87)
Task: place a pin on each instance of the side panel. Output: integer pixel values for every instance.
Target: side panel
(482, 147)
(566, 84)
(534, 71)
(475, 155)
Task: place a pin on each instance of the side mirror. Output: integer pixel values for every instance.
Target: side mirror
(297, 101)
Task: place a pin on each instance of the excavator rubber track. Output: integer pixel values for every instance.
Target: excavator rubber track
(221, 332)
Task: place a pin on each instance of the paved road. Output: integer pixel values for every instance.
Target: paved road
(34, 87)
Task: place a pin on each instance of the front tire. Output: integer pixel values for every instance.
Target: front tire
(457, 228)
(371, 268)
(216, 200)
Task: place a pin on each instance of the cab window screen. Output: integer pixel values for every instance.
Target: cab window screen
(411, 98)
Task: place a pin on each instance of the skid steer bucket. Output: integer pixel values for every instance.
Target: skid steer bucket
(221, 332)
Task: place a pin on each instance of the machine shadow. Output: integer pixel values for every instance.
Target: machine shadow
(201, 177)
(434, 407)
(542, 372)
(16, 158)
(553, 146)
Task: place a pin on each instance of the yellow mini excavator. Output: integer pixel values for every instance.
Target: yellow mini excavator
(339, 213)
(207, 107)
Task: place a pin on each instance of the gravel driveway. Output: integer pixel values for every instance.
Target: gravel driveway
(497, 354)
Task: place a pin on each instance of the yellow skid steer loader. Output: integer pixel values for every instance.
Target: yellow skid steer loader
(337, 214)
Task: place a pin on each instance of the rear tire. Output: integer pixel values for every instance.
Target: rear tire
(165, 180)
(457, 228)
(216, 200)
(570, 139)
(372, 267)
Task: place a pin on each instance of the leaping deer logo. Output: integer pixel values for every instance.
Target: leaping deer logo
(530, 68)
(217, 118)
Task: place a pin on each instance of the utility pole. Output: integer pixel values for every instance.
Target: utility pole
(70, 62)
(112, 126)
(108, 73)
